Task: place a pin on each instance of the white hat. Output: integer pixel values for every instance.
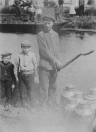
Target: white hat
(84, 108)
(69, 91)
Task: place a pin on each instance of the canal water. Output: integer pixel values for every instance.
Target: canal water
(81, 73)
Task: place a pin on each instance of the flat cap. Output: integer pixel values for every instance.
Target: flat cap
(48, 18)
(26, 43)
(5, 54)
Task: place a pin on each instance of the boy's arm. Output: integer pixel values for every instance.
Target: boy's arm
(58, 47)
(16, 67)
(0, 74)
(34, 60)
(13, 75)
(2, 77)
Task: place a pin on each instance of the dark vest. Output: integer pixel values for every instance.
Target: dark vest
(6, 71)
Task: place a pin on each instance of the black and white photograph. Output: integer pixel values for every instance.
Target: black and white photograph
(47, 66)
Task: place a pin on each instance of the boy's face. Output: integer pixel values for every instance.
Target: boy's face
(48, 25)
(6, 59)
(25, 50)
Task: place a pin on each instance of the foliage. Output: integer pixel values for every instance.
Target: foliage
(11, 10)
(49, 3)
(90, 2)
(90, 12)
(82, 22)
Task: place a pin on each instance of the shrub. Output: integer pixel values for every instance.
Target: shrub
(45, 2)
(90, 12)
(84, 23)
(90, 2)
(11, 10)
(49, 3)
(66, 11)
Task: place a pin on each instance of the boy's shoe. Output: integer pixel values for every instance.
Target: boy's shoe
(6, 107)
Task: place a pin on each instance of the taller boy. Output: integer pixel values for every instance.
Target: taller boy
(25, 70)
(48, 42)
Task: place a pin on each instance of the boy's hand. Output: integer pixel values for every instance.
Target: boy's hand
(58, 63)
(36, 79)
(13, 86)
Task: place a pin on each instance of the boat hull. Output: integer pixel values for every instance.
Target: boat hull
(27, 28)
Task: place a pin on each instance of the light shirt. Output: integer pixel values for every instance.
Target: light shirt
(25, 62)
(39, 11)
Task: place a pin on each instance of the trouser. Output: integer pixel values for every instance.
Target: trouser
(39, 17)
(26, 88)
(61, 10)
(6, 91)
(18, 11)
(48, 82)
(32, 16)
(57, 16)
(81, 10)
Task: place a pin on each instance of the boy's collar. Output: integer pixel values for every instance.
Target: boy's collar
(5, 63)
(25, 53)
(51, 31)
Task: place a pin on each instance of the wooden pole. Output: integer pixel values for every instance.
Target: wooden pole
(76, 57)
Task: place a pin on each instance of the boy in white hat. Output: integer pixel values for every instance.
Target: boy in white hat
(25, 70)
(38, 13)
(7, 78)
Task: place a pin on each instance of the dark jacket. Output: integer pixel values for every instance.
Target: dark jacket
(48, 48)
(7, 72)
